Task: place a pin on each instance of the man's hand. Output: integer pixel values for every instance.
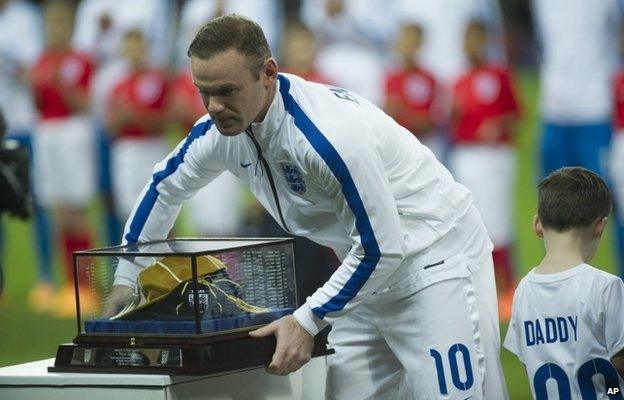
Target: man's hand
(118, 298)
(294, 345)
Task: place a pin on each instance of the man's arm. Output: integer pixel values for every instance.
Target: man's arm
(187, 169)
(355, 180)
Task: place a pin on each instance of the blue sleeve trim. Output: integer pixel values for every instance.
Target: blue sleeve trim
(335, 163)
(147, 203)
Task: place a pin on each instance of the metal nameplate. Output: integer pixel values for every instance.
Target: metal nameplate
(127, 357)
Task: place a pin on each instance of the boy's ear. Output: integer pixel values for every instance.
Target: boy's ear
(537, 227)
(600, 226)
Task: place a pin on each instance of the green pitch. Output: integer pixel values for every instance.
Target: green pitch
(26, 336)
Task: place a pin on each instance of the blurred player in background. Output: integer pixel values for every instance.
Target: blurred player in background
(410, 90)
(579, 57)
(444, 23)
(3, 131)
(616, 153)
(20, 44)
(101, 26)
(483, 156)
(137, 121)
(99, 30)
(350, 34)
(64, 170)
(299, 52)
(567, 325)
(442, 52)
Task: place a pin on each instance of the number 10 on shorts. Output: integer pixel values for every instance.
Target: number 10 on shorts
(455, 353)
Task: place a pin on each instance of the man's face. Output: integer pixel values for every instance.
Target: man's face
(233, 96)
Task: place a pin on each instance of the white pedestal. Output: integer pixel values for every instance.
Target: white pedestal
(32, 381)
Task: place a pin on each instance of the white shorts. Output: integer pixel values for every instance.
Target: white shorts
(616, 171)
(132, 165)
(216, 210)
(64, 162)
(489, 172)
(432, 342)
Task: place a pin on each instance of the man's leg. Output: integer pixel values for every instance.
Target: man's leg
(599, 153)
(494, 199)
(444, 342)
(112, 223)
(555, 151)
(591, 145)
(43, 288)
(363, 366)
(616, 173)
(485, 291)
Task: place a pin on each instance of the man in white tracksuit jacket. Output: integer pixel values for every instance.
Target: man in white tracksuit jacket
(413, 304)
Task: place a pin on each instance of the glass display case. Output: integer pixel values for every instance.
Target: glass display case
(180, 306)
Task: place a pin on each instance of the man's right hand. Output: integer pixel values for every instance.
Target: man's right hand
(118, 298)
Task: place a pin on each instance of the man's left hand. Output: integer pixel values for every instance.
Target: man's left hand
(294, 345)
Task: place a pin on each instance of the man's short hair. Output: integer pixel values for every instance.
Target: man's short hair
(572, 197)
(232, 31)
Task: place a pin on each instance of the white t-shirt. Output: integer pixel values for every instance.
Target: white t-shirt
(20, 45)
(565, 327)
(578, 39)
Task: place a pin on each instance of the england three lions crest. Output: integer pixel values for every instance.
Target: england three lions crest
(294, 178)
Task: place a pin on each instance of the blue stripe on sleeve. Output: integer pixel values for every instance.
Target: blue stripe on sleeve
(149, 199)
(335, 163)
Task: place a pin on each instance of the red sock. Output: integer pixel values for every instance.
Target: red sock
(74, 241)
(503, 269)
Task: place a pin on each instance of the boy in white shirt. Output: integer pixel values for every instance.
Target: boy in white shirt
(567, 323)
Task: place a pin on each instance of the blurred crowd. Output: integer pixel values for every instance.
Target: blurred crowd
(101, 90)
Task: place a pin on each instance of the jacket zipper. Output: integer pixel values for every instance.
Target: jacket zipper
(265, 164)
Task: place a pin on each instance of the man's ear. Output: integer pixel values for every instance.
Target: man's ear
(269, 71)
(599, 227)
(537, 227)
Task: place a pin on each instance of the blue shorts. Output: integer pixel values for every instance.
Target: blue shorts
(575, 145)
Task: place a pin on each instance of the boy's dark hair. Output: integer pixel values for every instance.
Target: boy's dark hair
(572, 197)
(232, 31)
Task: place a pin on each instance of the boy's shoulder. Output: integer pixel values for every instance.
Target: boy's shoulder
(584, 277)
(599, 277)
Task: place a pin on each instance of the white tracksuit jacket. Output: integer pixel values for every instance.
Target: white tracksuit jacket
(344, 175)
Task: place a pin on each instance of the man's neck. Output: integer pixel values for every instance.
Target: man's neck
(269, 100)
